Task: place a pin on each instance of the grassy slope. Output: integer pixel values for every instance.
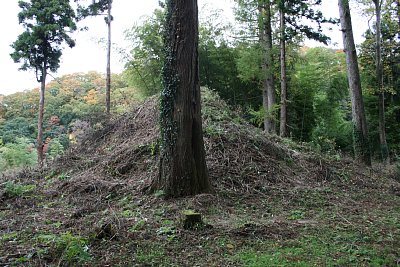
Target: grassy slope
(274, 204)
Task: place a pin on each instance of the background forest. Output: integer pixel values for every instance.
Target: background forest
(318, 103)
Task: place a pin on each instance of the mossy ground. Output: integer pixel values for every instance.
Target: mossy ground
(274, 204)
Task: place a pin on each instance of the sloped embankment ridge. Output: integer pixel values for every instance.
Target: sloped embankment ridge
(274, 203)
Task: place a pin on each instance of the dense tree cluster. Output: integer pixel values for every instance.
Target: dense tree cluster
(71, 100)
(317, 95)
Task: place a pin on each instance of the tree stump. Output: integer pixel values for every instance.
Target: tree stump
(192, 220)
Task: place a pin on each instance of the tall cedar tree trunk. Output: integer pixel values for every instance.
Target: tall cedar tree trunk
(183, 169)
(267, 66)
(283, 117)
(108, 78)
(360, 132)
(42, 80)
(379, 84)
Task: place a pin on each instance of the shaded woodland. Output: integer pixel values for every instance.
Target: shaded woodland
(285, 155)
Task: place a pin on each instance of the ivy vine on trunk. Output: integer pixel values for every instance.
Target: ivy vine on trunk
(183, 169)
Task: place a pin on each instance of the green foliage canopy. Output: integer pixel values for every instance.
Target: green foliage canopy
(390, 43)
(144, 69)
(47, 26)
(319, 109)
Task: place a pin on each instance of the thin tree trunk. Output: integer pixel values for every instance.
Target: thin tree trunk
(264, 67)
(398, 15)
(379, 84)
(207, 67)
(183, 169)
(283, 117)
(108, 75)
(267, 67)
(40, 117)
(360, 132)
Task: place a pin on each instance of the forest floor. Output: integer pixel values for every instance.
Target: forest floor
(275, 203)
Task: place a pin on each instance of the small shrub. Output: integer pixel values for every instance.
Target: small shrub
(70, 248)
(63, 177)
(154, 148)
(16, 190)
(151, 256)
(213, 130)
(297, 215)
(128, 214)
(213, 108)
(257, 117)
(17, 155)
(8, 237)
(55, 149)
(167, 231)
(139, 225)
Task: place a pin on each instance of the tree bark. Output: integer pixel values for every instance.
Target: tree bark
(267, 66)
(398, 15)
(379, 85)
(183, 169)
(108, 71)
(40, 153)
(283, 115)
(360, 132)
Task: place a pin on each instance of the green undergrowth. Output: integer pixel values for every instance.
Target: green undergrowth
(13, 189)
(374, 241)
(215, 113)
(310, 231)
(151, 255)
(335, 247)
(68, 248)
